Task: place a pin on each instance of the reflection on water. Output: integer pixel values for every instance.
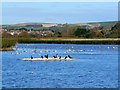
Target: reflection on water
(96, 66)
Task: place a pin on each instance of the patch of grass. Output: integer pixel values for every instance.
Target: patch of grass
(8, 42)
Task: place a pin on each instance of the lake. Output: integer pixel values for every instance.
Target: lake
(95, 66)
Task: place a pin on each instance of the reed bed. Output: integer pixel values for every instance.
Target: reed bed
(10, 42)
(67, 41)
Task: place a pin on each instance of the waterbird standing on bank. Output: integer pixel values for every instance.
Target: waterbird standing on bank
(31, 57)
(69, 56)
(60, 57)
(42, 57)
(55, 56)
(46, 56)
(65, 57)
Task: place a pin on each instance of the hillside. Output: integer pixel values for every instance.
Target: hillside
(79, 30)
(116, 30)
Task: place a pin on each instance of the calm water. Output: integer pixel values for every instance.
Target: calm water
(96, 66)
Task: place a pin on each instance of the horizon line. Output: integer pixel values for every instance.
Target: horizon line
(60, 23)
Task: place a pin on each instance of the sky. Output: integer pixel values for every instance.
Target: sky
(58, 12)
(60, 0)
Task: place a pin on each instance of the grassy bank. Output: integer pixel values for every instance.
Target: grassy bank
(6, 49)
(70, 41)
(8, 43)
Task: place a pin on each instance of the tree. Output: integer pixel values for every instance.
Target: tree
(81, 32)
(59, 34)
(23, 29)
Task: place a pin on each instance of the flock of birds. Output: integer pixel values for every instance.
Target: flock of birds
(56, 56)
(37, 51)
(27, 49)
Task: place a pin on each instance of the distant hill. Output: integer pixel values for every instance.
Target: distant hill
(107, 24)
(90, 25)
(90, 30)
(37, 24)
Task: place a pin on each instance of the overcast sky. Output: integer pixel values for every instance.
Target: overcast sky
(59, 12)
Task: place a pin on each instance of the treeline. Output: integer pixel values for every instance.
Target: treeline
(71, 31)
(75, 31)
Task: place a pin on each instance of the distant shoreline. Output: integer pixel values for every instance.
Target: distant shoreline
(62, 41)
(80, 39)
(6, 49)
(71, 41)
